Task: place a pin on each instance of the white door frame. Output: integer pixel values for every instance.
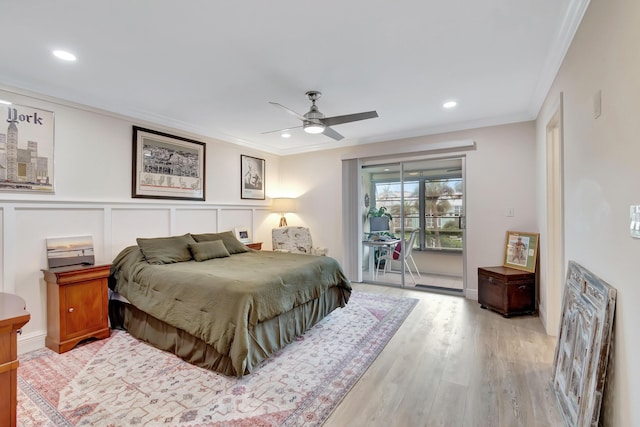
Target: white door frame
(555, 220)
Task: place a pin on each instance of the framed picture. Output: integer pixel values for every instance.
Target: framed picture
(521, 251)
(167, 166)
(65, 251)
(252, 177)
(26, 149)
(243, 235)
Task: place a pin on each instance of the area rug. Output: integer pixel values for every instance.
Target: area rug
(121, 381)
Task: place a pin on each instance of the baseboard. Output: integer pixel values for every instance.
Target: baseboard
(471, 294)
(30, 342)
(542, 313)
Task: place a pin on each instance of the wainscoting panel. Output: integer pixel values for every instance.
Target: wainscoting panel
(29, 250)
(25, 226)
(264, 222)
(195, 221)
(129, 223)
(232, 218)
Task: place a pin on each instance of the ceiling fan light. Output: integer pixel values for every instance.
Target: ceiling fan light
(314, 128)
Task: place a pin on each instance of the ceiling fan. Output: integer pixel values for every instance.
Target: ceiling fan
(315, 122)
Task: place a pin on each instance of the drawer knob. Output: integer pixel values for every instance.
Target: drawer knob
(490, 279)
(71, 310)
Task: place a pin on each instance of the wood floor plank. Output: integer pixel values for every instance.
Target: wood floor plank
(452, 363)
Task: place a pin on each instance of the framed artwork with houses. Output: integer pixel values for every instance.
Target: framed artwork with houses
(167, 166)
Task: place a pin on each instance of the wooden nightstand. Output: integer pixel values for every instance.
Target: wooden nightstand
(506, 290)
(77, 305)
(13, 317)
(257, 245)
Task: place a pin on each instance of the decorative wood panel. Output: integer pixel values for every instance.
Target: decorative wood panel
(582, 351)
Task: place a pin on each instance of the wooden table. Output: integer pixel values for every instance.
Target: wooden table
(378, 244)
(77, 305)
(13, 317)
(255, 245)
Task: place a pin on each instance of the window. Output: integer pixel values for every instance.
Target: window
(432, 204)
(443, 213)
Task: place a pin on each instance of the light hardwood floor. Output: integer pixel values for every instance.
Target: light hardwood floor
(451, 364)
(427, 279)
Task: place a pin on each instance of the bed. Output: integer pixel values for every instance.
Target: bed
(216, 303)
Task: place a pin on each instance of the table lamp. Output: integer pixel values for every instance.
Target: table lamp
(284, 205)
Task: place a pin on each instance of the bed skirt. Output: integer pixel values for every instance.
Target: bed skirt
(265, 338)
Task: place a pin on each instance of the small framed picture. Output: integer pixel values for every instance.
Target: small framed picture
(251, 177)
(66, 251)
(521, 250)
(243, 235)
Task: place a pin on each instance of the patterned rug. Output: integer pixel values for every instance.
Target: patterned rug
(121, 381)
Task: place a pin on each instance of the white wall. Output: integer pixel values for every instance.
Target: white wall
(500, 174)
(93, 152)
(601, 176)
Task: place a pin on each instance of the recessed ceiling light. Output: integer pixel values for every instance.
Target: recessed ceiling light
(2, 101)
(64, 55)
(285, 135)
(449, 104)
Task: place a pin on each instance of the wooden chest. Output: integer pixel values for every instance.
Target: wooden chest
(507, 290)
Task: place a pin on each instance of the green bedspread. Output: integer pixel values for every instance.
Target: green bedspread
(220, 300)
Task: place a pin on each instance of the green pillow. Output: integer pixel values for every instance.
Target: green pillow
(208, 250)
(166, 250)
(233, 245)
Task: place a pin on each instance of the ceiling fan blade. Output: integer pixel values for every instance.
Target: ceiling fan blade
(281, 130)
(293, 113)
(337, 120)
(332, 133)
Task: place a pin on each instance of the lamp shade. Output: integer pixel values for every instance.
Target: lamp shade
(284, 204)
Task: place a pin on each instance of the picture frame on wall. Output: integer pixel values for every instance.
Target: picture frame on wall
(521, 251)
(26, 149)
(252, 177)
(167, 166)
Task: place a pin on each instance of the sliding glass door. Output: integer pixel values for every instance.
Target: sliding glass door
(413, 223)
(382, 189)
